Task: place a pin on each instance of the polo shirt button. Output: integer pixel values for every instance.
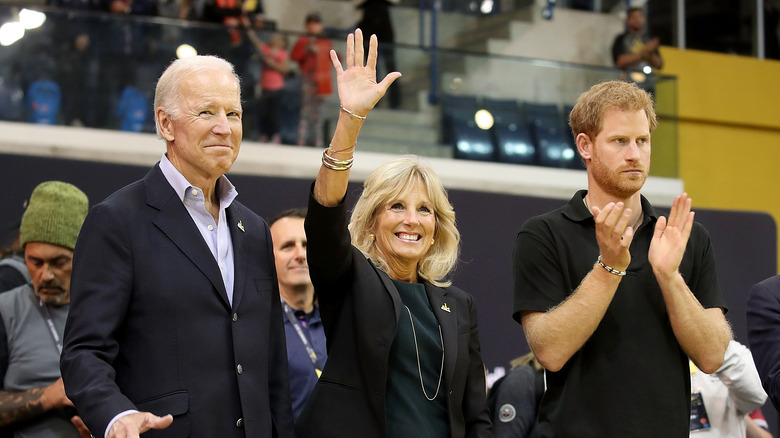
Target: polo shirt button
(240, 422)
(239, 369)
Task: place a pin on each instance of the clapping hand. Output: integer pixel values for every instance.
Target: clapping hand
(613, 234)
(671, 237)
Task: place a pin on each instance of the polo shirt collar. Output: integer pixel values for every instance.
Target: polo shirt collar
(576, 210)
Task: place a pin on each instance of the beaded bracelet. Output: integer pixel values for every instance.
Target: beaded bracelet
(357, 116)
(610, 269)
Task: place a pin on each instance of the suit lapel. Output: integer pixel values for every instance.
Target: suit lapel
(177, 224)
(390, 287)
(235, 224)
(447, 315)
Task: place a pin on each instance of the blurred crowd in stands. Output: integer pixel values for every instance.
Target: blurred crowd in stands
(93, 62)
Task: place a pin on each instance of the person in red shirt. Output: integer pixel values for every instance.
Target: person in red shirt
(271, 81)
(312, 52)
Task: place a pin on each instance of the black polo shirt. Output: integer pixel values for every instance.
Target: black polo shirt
(631, 378)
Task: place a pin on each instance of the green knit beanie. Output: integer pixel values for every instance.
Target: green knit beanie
(54, 214)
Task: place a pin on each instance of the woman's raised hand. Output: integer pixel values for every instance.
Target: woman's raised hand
(357, 86)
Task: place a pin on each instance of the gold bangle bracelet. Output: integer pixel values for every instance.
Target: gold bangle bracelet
(334, 164)
(357, 116)
(334, 151)
(332, 160)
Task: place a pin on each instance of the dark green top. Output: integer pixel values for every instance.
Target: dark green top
(409, 412)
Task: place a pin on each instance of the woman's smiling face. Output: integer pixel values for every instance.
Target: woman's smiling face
(404, 229)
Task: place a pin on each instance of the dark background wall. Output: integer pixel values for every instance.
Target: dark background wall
(744, 242)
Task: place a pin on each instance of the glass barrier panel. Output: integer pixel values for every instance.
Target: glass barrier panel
(99, 71)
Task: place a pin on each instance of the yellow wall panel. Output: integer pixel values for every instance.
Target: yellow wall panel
(725, 88)
(729, 129)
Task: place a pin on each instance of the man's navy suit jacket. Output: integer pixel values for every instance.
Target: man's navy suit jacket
(151, 328)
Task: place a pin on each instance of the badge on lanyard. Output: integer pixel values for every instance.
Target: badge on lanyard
(699, 418)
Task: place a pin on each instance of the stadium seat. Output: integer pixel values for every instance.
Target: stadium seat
(132, 110)
(460, 130)
(543, 115)
(511, 136)
(11, 100)
(504, 111)
(554, 148)
(456, 109)
(577, 163)
(514, 144)
(472, 143)
(43, 102)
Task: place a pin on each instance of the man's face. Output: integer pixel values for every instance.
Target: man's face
(49, 267)
(620, 153)
(314, 27)
(635, 21)
(290, 253)
(205, 138)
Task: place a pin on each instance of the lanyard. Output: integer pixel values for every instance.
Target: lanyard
(47, 316)
(304, 339)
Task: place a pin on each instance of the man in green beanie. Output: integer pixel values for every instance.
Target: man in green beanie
(32, 318)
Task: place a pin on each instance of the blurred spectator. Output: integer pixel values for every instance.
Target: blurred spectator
(771, 22)
(77, 59)
(757, 426)
(514, 399)
(721, 401)
(231, 13)
(635, 51)
(131, 7)
(32, 318)
(13, 271)
(74, 65)
(275, 67)
(312, 52)
(376, 21)
(305, 334)
(228, 12)
(126, 45)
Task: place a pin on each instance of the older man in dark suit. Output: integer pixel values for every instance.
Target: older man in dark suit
(175, 322)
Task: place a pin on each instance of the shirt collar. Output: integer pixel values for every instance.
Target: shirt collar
(226, 191)
(311, 317)
(576, 210)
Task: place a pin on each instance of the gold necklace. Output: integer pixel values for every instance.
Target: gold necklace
(419, 369)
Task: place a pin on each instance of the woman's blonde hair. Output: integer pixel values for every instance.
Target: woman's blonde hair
(385, 185)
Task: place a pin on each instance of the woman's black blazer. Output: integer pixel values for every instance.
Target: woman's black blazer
(360, 308)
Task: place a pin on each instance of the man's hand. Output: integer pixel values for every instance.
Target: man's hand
(54, 397)
(671, 237)
(613, 234)
(133, 425)
(78, 423)
(652, 45)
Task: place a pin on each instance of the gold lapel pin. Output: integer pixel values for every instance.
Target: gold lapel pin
(445, 307)
(241, 226)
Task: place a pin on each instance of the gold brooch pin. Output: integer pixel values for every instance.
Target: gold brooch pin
(241, 226)
(445, 307)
